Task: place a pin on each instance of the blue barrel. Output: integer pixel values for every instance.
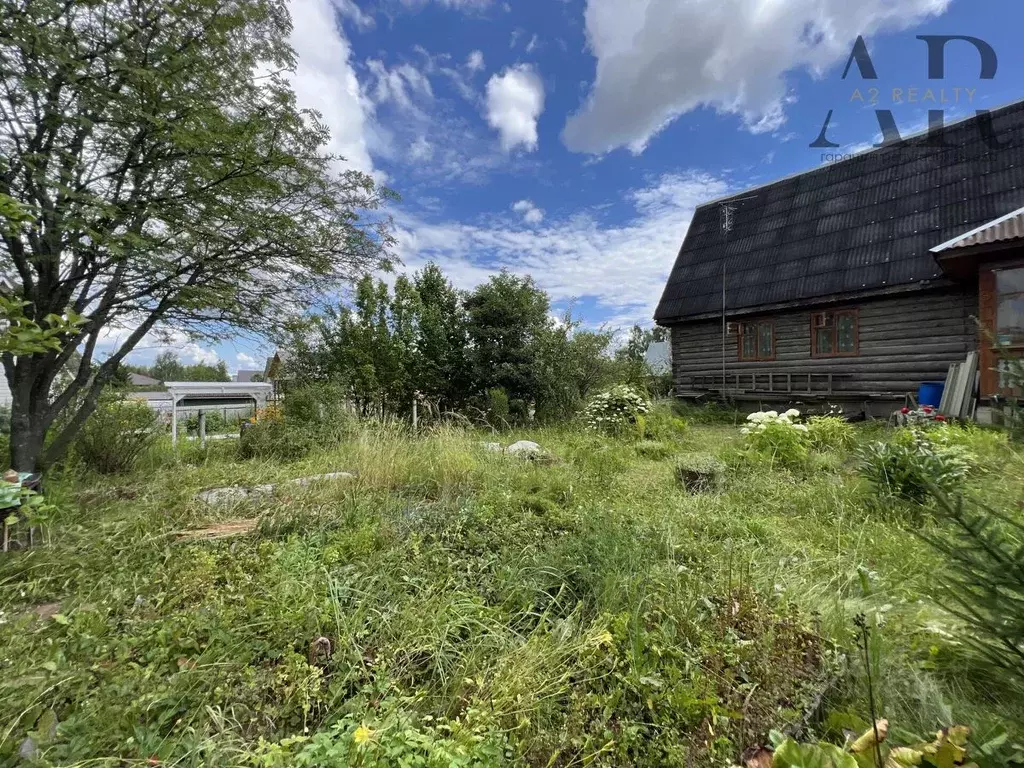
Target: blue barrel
(930, 393)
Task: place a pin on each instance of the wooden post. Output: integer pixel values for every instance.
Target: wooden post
(415, 413)
(174, 421)
(202, 429)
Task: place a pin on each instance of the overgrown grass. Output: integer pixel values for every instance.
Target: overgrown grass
(477, 609)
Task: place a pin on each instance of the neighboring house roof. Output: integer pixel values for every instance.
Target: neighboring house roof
(243, 377)
(276, 363)
(1002, 230)
(141, 380)
(861, 225)
(659, 356)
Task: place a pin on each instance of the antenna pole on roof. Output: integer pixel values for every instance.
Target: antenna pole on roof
(727, 212)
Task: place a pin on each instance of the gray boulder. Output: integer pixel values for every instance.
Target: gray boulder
(525, 449)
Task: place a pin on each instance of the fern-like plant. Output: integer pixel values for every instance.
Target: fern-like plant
(983, 577)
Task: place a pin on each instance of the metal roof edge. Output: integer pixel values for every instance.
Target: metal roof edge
(995, 222)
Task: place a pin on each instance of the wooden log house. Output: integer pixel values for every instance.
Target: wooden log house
(856, 282)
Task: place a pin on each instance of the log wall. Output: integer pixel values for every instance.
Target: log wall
(904, 340)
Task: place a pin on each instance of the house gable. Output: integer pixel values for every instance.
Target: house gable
(863, 225)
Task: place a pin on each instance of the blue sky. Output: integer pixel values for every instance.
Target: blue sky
(572, 139)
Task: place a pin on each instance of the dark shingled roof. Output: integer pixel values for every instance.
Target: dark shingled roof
(863, 224)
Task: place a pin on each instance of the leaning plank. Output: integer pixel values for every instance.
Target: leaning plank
(948, 394)
(971, 371)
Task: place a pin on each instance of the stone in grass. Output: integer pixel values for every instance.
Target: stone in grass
(492, 447)
(700, 474)
(236, 494)
(526, 450)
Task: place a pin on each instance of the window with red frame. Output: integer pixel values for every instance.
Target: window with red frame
(757, 341)
(835, 334)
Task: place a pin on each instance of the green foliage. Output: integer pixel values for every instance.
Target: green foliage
(168, 367)
(390, 735)
(162, 146)
(776, 439)
(276, 440)
(983, 576)
(5, 422)
(909, 464)
(830, 433)
(949, 748)
(461, 606)
(115, 436)
(622, 410)
(653, 450)
(20, 335)
(499, 415)
(662, 422)
(216, 423)
(319, 409)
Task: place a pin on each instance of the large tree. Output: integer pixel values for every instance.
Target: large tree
(165, 178)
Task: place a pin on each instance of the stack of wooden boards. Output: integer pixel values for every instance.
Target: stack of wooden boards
(959, 398)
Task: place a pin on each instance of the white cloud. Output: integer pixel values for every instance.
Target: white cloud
(533, 44)
(657, 59)
(622, 266)
(531, 213)
(349, 10)
(402, 85)
(325, 81)
(459, 5)
(421, 149)
(475, 61)
(247, 362)
(152, 344)
(515, 99)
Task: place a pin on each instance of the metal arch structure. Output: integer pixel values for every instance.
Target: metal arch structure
(186, 393)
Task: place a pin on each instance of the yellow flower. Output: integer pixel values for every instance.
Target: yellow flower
(362, 734)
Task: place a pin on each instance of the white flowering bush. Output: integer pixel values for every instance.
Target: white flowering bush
(621, 409)
(777, 438)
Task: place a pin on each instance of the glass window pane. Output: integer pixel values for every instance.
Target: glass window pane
(823, 341)
(1010, 305)
(764, 347)
(750, 343)
(846, 334)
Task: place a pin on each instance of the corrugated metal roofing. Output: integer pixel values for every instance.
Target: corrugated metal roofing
(1002, 230)
(863, 224)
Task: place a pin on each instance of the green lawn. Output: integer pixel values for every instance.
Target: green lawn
(452, 606)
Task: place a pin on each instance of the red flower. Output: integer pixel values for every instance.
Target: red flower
(928, 409)
(904, 411)
(940, 417)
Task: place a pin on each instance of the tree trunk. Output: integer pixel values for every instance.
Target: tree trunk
(27, 433)
(30, 378)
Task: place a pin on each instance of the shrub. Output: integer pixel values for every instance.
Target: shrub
(115, 436)
(319, 409)
(498, 414)
(276, 440)
(662, 423)
(215, 423)
(622, 409)
(912, 462)
(830, 433)
(5, 420)
(776, 438)
(983, 577)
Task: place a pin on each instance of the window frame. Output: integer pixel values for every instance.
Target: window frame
(757, 358)
(853, 312)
